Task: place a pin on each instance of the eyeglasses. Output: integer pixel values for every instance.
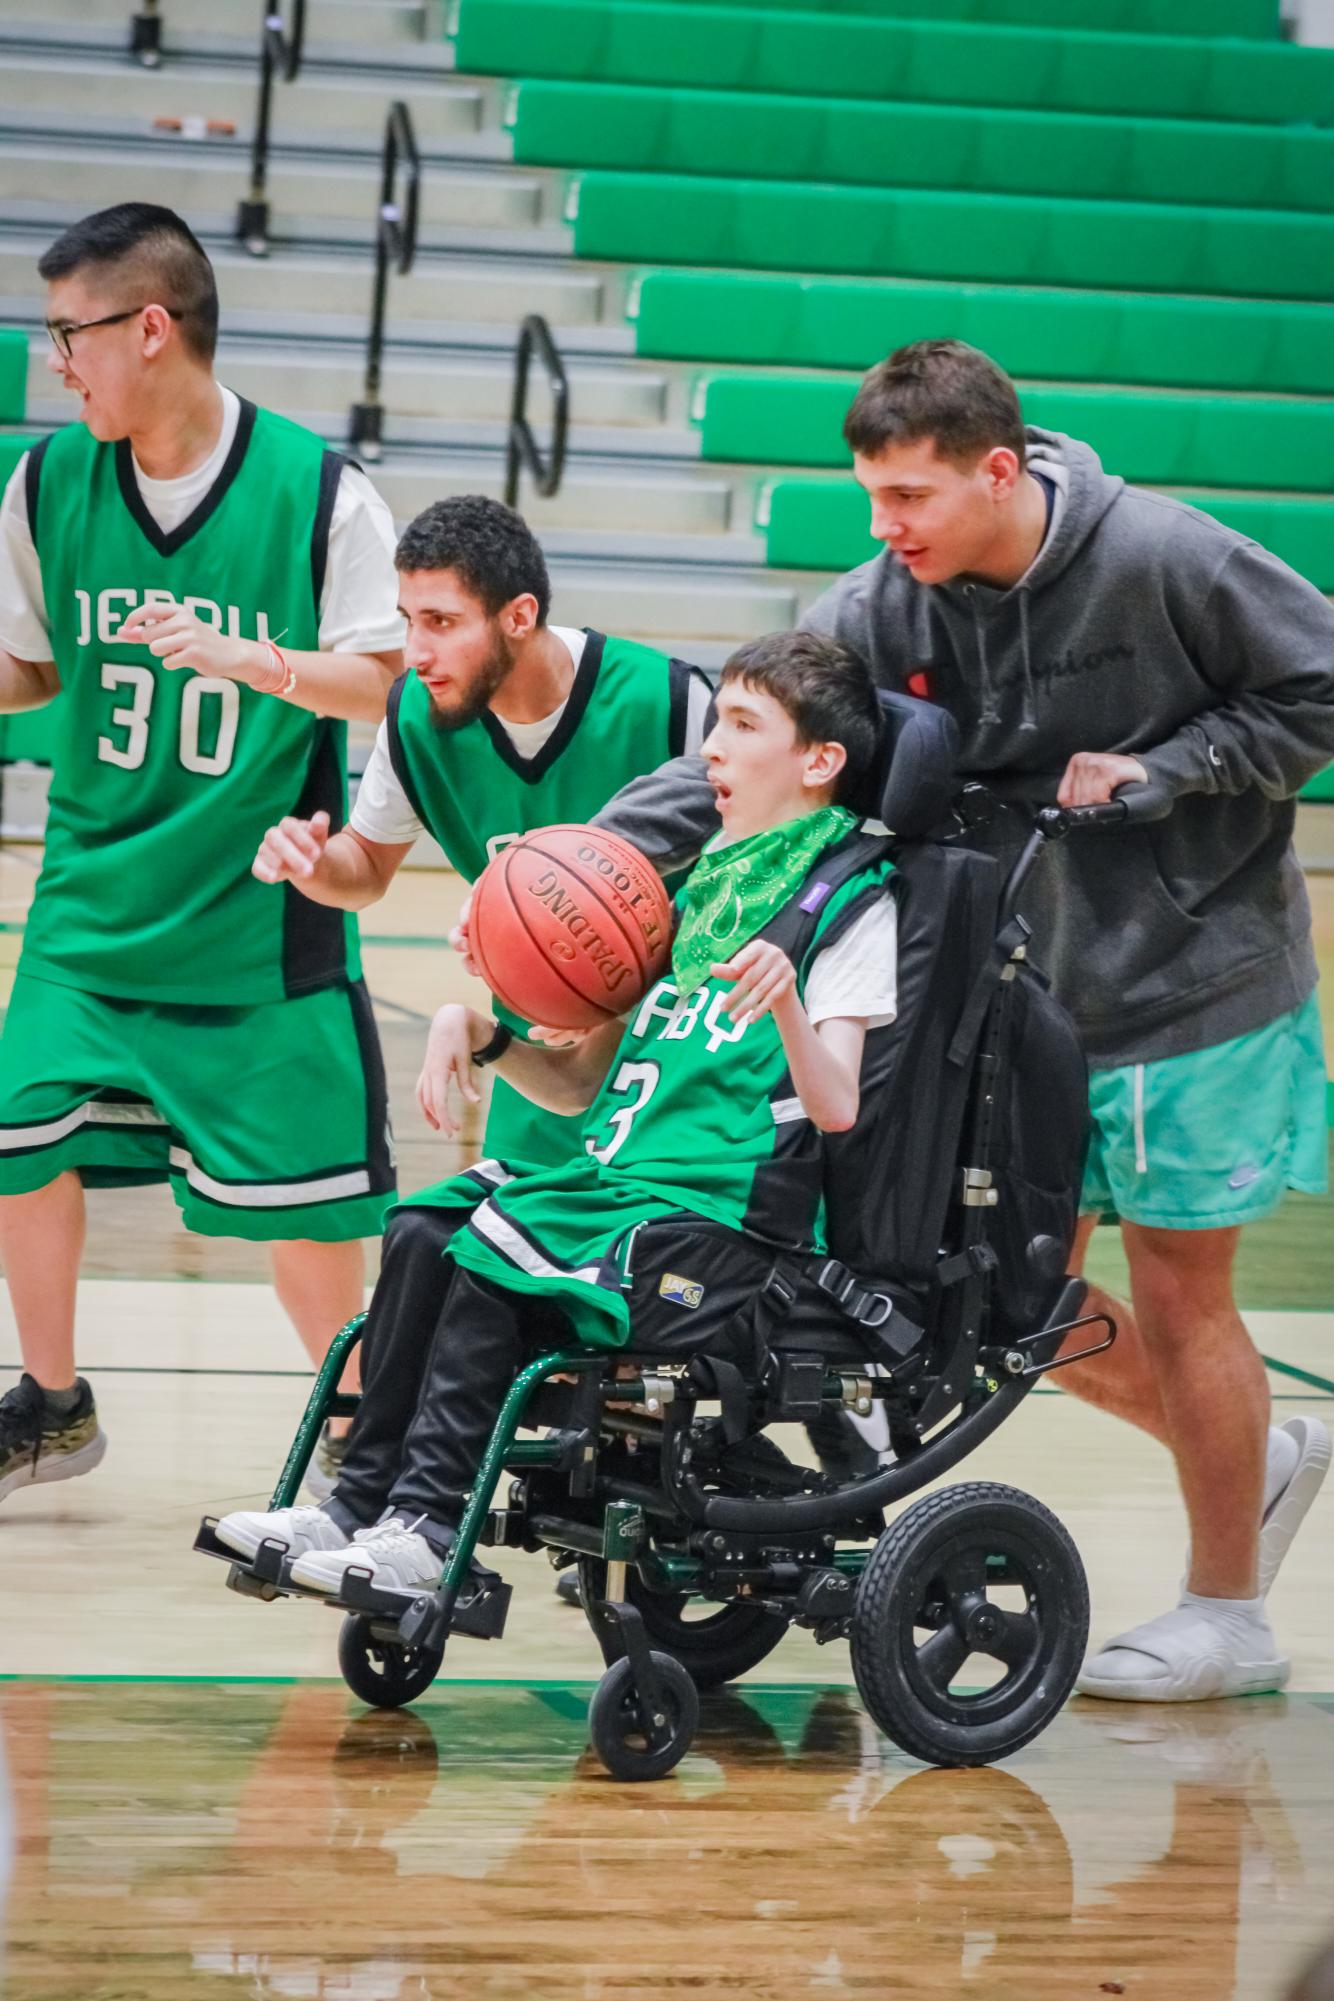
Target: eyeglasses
(62, 332)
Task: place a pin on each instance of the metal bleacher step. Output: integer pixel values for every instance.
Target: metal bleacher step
(462, 297)
(86, 95)
(318, 383)
(675, 604)
(676, 509)
(315, 200)
(401, 34)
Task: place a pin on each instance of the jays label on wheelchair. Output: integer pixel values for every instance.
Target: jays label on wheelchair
(942, 1297)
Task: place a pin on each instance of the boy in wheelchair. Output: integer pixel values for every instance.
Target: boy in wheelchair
(703, 1158)
(831, 1162)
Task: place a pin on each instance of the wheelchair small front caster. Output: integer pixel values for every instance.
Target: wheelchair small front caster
(381, 1672)
(632, 1743)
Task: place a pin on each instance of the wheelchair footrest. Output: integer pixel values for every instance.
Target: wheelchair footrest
(247, 1578)
(480, 1610)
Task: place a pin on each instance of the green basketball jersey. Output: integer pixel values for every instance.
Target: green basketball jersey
(626, 714)
(163, 782)
(701, 1110)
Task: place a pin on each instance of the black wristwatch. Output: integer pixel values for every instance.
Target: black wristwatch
(492, 1051)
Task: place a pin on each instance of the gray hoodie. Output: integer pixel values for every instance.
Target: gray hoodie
(1144, 627)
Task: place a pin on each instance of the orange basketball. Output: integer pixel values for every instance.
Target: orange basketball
(570, 926)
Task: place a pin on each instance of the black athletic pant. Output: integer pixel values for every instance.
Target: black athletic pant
(438, 1352)
(442, 1346)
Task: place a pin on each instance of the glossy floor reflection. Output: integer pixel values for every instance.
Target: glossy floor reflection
(220, 1841)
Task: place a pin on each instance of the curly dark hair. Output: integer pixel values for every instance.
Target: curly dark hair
(491, 550)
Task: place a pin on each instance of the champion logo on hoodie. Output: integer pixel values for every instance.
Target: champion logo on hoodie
(919, 683)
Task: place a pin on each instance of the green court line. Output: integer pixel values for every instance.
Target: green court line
(1300, 1375)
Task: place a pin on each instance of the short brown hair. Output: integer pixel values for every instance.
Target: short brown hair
(830, 696)
(938, 389)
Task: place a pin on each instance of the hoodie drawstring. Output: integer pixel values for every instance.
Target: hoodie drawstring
(1027, 702)
(1027, 705)
(989, 712)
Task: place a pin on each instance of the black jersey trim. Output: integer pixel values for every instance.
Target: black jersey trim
(379, 1145)
(168, 544)
(32, 483)
(331, 471)
(680, 678)
(531, 769)
(398, 757)
(315, 934)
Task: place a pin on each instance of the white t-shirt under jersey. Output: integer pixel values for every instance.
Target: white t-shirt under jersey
(359, 602)
(383, 811)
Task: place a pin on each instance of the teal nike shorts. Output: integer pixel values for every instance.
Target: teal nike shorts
(1212, 1138)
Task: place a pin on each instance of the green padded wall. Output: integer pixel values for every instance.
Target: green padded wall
(819, 55)
(1079, 336)
(924, 233)
(13, 444)
(1159, 440)
(13, 375)
(1251, 19)
(822, 525)
(921, 145)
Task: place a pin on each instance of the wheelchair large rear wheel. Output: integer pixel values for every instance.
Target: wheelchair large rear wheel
(381, 1672)
(970, 1624)
(714, 1644)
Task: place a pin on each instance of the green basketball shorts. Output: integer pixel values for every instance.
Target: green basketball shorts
(1212, 1138)
(269, 1122)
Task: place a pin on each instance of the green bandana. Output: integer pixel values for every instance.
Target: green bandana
(733, 891)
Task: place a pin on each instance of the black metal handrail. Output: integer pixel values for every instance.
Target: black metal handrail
(522, 448)
(396, 245)
(146, 35)
(279, 55)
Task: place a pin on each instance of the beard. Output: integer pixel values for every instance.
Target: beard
(486, 682)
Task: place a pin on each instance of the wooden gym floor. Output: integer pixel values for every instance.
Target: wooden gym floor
(203, 1812)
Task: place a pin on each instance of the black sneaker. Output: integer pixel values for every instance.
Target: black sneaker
(567, 1587)
(37, 1445)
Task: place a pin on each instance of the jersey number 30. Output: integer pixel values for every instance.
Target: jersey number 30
(140, 684)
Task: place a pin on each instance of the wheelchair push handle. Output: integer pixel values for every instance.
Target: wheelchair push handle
(1136, 804)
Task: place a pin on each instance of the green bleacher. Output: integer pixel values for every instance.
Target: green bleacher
(823, 525)
(1153, 438)
(928, 233)
(1257, 19)
(766, 48)
(1078, 336)
(972, 149)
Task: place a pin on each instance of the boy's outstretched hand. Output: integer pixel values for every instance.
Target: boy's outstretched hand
(448, 1061)
(291, 850)
(765, 977)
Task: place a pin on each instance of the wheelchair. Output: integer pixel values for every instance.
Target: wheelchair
(941, 1300)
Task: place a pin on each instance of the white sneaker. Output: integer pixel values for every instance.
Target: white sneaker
(301, 1529)
(397, 1558)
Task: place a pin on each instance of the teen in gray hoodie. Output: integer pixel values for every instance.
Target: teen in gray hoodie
(1087, 634)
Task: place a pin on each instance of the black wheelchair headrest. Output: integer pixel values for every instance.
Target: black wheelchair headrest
(921, 755)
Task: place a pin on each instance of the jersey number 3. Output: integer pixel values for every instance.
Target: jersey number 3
(642, 1079)
(132, 718)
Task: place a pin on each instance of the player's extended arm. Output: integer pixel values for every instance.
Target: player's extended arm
(825, 1061)
(26, 684)
(353, 687)
(343, 869)
(560, 1080)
